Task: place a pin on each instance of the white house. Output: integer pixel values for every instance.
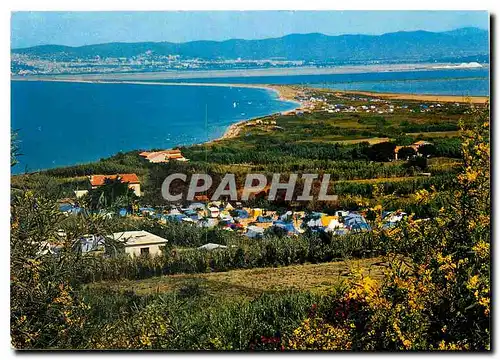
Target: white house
(141, 242)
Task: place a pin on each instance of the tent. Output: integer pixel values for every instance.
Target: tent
(288, 226)
(208, 223)
(286, 215)
(264, 219)
(190, 212)
(242, 214)
(229, 207)
(214, 212)
(334, 224)
(224, 216)
(174, 212)
(216, 204)
(212, 246)
(175, 217)
(256, 212)
(197, 206)
(146, 210)
(394, 217)
(65, 207)
(356, 223)
(314, 223)
(388, 225)
(123, 212)
(254, 232)
(326, 220)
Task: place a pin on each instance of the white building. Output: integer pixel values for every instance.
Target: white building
(141, 242)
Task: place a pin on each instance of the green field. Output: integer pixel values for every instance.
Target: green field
(318, 278)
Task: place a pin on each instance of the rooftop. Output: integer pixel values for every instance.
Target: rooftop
(98, 180)
(136, 238)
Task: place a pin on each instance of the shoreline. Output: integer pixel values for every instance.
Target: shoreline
(284, 92)
(412, 97)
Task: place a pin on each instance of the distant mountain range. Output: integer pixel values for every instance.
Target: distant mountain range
(403, 45)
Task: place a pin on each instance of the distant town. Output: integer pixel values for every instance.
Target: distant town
(23, 64)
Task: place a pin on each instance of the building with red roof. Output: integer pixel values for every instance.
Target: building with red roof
(131, 179)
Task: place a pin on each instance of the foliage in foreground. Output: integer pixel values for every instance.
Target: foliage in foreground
(436, 294)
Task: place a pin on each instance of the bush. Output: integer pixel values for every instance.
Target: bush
(383, 151)
(418, 162)
(406, 153)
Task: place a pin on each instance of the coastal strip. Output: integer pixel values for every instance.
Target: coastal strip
(412, 97)
(284, 92)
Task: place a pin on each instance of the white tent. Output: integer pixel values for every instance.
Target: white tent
(216, 204)
(394, 217)
(214, 212)
(315, 223)
(197, 206)
(285, 216)
(225, 216)
(212, 246)
(207, 223)
(254, 232)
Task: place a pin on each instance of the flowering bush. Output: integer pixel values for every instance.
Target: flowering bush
(436, 291)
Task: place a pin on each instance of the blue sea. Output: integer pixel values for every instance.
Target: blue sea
(63, 124)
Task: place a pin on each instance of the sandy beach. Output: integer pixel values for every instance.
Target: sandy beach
(416, 97)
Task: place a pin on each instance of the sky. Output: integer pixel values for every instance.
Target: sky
(83, 28)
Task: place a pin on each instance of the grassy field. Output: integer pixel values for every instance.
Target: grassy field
(317, 278)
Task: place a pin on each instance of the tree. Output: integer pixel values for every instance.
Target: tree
(114, 193)
(406, 153)
(427, 150)
(46, 275)
(417, 162)
(383, 151)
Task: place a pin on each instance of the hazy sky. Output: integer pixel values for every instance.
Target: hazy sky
(81, 28)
